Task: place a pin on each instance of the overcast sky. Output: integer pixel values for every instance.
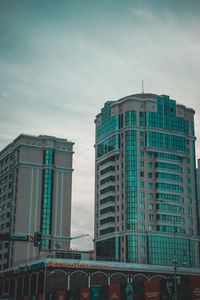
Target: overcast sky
(61, 60)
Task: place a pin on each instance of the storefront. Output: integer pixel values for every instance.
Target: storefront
(72, 279)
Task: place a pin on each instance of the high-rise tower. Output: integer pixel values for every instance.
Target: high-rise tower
(145, 186)
(198, 190)
(35, 194)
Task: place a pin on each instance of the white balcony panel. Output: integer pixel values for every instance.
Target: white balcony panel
(111, 193)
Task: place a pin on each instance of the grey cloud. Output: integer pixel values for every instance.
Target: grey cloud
(60, 62)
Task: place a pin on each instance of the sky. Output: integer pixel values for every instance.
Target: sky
(60, 61)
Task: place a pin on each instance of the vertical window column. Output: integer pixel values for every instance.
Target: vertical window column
(131, 179)
(47, 197)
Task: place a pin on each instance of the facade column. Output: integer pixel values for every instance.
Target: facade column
(44, 286)
(15, 292)
(23, 286)
(37, 285)
(68, 283)
(109, 279)
(29, 289)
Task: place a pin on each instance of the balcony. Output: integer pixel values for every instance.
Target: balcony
(111, 153)
(107, 184)
(107, 225)
(110, 193)
(107, 215)
(109, 173)
(107, 204)
(108, 164)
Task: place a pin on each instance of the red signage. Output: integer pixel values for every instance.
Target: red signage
(152, 290)
(74, 265)
(195, 287)
(85, 294)
(114, 292)
(66, 264)
(61, 295)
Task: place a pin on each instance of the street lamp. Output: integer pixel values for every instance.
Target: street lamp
(174, 261)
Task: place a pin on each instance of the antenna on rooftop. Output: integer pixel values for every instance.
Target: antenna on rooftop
(142, 86)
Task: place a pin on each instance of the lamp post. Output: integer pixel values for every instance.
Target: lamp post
(174, 260)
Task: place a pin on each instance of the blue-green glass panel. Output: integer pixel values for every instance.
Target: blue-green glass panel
(131, 179)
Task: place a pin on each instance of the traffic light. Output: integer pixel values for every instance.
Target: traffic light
(37, 239)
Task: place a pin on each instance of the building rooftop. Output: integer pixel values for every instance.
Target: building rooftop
(40, 137)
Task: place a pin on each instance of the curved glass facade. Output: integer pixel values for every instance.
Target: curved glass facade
(151, 177)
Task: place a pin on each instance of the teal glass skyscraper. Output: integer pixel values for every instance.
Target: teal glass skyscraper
(145, 186)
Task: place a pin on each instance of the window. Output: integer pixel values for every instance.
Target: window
(141, 133)
(141, 153)
(141, 118)
(142, 227)
(151, 217)
(142, 238)
(150, 195)
(141, 174)
(150, 185)
(141, 184)
(142, 205)
(141, 164)
(141, 144)
(151, 206)
(169, 176)
(142, 194)
(190, 221)
(188, 171)
(149, 155)
(150, 175)
(191, 231)
(142, 216)
(150, 227)
(149, 165)
(130, 118)
(161, 185)
(188, 181)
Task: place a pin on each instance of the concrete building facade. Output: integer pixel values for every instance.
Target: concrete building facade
(145, 182)
(35, 194)
(198, 189)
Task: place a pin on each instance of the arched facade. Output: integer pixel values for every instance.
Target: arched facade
(78, 278)
(65, 276)
(99, 278)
